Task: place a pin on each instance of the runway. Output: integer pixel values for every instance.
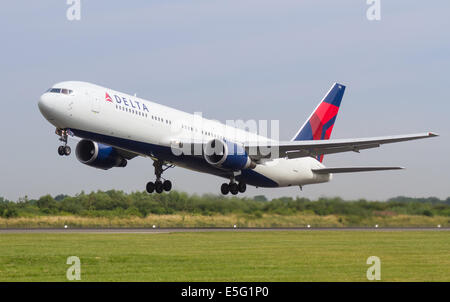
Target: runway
(196, 230)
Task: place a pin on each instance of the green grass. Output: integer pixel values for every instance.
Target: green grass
(228, 256)
(300, 219)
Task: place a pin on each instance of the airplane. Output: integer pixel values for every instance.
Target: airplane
(115, 127)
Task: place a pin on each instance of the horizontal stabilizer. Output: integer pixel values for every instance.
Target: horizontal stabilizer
(353, 169)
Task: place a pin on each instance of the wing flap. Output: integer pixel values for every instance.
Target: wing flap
(330, 150)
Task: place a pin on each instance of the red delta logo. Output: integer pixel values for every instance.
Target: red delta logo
(107, 97)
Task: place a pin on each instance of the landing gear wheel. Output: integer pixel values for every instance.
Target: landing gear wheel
(67, 150)
(150, 187)
(233, 188)
(167, 185)
(225, 188)
(63, 136)
(159, 186)
(242, 187)
(61, 150)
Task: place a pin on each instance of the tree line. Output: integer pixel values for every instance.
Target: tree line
(114, 203)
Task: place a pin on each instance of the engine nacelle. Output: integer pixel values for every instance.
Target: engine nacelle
(98, 155)
(227, 155)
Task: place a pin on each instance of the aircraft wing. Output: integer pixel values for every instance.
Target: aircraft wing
(314, 148)
(352, 169)
(126, 154)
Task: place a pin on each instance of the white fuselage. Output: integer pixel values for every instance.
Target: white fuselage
(150, 129)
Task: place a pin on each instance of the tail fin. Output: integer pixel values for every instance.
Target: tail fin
(321, 122)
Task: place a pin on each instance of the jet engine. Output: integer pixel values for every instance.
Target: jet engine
(98, 155)
(227, 155)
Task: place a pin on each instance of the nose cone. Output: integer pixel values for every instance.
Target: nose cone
(46, 106)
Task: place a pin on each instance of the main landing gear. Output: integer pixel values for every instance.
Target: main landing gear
(159, 186)
(64, 149)
(233, 187)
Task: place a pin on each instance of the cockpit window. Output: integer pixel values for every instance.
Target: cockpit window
(60, 90)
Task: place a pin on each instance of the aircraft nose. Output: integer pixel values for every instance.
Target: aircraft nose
(45, 105)
(44, 101)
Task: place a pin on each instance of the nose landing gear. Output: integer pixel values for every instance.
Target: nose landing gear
(63, 135)
(64, 150)
(159, 186)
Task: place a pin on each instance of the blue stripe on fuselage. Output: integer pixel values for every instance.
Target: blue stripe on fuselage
(197, 163)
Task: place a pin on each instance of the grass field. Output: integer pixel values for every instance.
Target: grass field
(217, 220)
(228, 256)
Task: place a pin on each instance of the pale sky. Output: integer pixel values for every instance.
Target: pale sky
(234, 59)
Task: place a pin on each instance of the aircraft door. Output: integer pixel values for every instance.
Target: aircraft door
(95, 103)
